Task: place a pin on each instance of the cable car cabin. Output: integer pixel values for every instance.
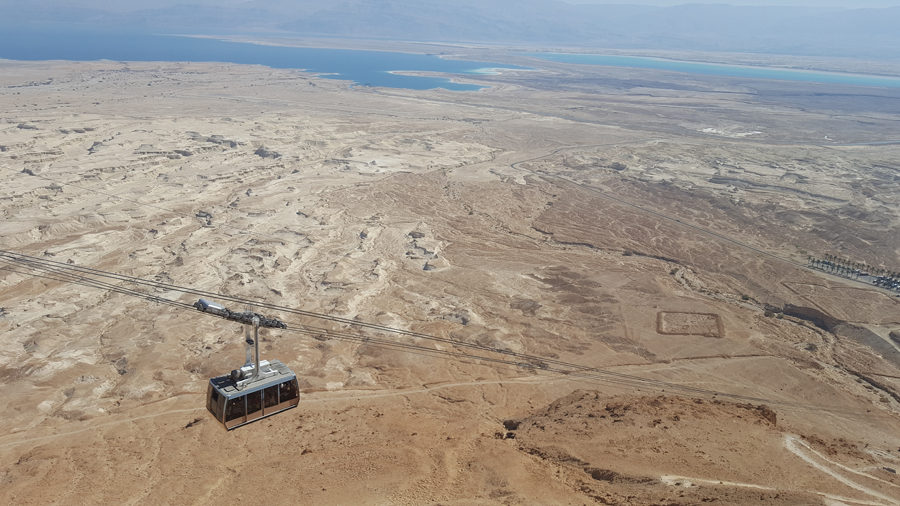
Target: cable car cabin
(235, 401)
(256, 390)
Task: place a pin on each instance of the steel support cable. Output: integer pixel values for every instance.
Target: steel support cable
(72, 280)
(309, 314)
(569, 368)
(121, 277)
(560, 366)
(317, 332)
(603, 375)
(95, 283)
(297, 328)
(608, 377)
(578, 369)
(70, 275)
(593, 375)
(64, 277)
(633, 381)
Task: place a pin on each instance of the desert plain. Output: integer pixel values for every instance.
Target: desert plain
(652, 226)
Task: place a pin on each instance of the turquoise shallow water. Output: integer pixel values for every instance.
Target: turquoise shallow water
(721, 70)
(364, 68)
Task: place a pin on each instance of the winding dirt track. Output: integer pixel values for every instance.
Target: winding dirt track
(801, 449)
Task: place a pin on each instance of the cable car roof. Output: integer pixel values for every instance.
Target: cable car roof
(228, 387)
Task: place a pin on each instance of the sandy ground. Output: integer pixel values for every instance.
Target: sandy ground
(624, 221)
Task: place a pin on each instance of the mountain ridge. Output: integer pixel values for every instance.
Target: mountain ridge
(819, 31)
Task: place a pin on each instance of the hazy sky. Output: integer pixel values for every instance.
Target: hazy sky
(856, 4)
(131, 4)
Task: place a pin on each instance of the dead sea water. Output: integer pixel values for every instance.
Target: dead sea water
(366, 68)
(721, 70)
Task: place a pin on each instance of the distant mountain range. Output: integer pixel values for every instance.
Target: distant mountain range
(871, 33)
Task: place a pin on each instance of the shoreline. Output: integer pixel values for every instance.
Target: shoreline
(810, 72)
(821, 64)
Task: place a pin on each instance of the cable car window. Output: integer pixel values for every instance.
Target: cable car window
(220, 407)
(254, 403)
(234, 409)
(213, 400)
(271, 396)
(288, 390)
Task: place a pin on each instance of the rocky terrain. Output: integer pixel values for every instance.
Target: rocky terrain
(652, 230)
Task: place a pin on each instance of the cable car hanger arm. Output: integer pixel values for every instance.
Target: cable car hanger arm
(245, 317)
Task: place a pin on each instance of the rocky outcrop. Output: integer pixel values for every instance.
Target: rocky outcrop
(265, 152)
(818, 318)
(895, 336)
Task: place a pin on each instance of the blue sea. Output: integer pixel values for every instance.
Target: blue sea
(364, 68)
(720, 70)
(44, 41)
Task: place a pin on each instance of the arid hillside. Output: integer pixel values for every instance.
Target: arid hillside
(628, 261)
